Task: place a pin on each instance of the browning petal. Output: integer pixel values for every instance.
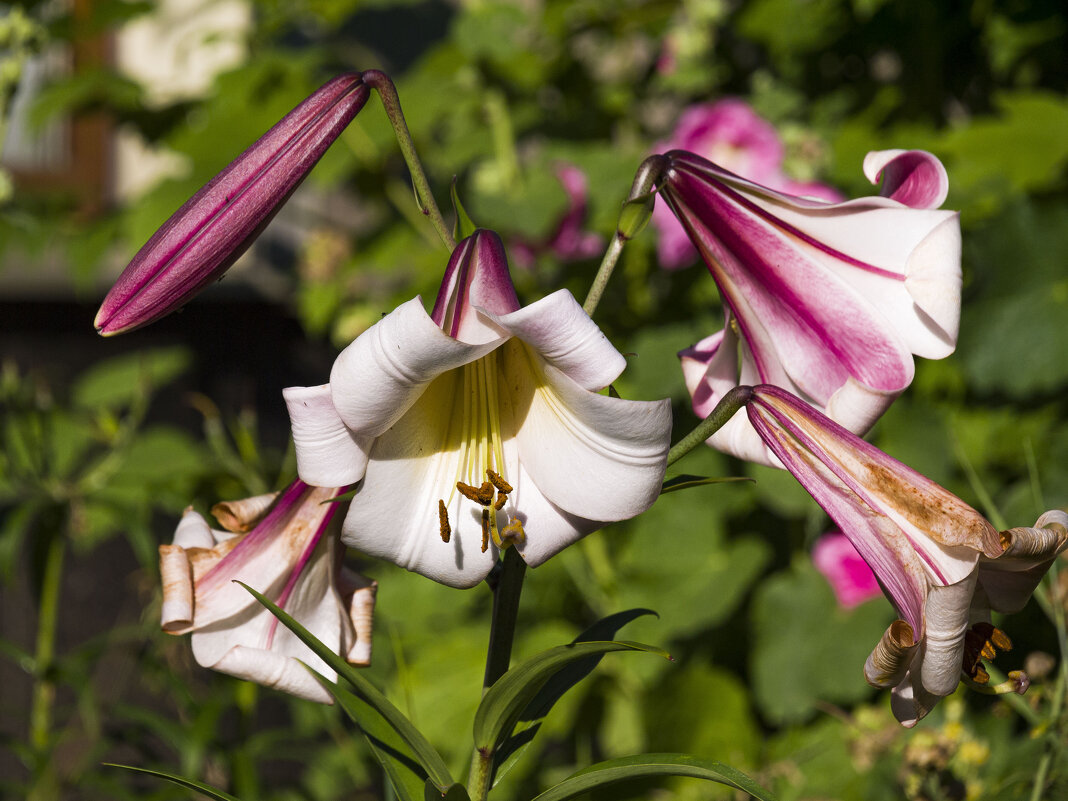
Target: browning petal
(892, 656)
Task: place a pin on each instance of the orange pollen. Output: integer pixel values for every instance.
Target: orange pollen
(443, 522)
(498, 482)
(485, 530)
(502, 499)
(982, 641)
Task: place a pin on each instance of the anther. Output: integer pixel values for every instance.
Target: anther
(485, 493)
(1001, 640)
(502, 499)
(469, 492)
(485, 530)
(498, 482)
(443, 522)
(981, 676)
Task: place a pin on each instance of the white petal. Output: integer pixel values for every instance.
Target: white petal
(945, 621)
(377, 378)
(193, 531)
(598, 457)
(910, 702)
(272, 670)
(549, 529)
(558, 328)
(857, 407)
(413, 465)
(328, 453)
(176, 576)
(240, 516)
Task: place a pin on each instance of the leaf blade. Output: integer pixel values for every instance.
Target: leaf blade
(204, 789)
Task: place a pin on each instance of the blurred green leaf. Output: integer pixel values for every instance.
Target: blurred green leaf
(118, 382)
(204, 789)
(806, 650)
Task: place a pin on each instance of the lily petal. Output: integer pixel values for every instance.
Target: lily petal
(398, 357)
(566, 337)
(912, 177)
(329, 454)
(946, 614)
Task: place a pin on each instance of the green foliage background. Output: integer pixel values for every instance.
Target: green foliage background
(767, 675)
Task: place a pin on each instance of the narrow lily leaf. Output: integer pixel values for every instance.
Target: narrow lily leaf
(205, 790)
(389, 748)
(505, 701)
(553, 690)
(455, 793)
(686, 481)
(430, 759)
(464, 226)
(635, 215)
(645, 765)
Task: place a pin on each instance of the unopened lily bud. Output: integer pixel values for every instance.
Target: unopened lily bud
(214, 227)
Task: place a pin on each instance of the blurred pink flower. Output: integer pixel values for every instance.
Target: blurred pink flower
(568, 242)
(736, 138)
(849, 575)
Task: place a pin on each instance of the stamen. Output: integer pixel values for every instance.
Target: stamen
(469, 492)
(443, 522)
(981, 676)
(514, 532)
(498, 482)
(502, 499)
(982, 641)
(485, 530)
(1001, 640)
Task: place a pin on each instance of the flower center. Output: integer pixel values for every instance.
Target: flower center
(481, 459)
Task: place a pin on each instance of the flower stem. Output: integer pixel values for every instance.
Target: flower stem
(728, 405)
(387, 92)
(44, 691)
(507, 586)
(644, 180)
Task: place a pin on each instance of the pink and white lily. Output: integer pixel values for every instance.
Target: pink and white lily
(479, 426)
(941, 564)
(284, 546)
(830, 301)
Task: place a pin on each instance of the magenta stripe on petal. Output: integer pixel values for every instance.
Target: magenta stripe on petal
(215, 226)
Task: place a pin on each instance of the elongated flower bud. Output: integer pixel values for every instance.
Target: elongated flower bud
(214, 227)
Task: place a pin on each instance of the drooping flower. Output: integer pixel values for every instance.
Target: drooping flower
(850, 577)
(479, 426)
(828, 301)
(213, 228)
(283, 546)
(941, 564)
(732, 135)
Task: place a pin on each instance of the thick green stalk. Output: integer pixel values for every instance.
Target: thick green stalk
(630, 224)
(387, 92)
(507, 587)
(734, 400)
(44, 691)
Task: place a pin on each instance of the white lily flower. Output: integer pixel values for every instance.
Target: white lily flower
(942, 565)
(830, 301)
(478, 427)
(283, 546)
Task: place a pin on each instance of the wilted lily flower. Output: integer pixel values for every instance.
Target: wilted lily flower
(214, 227)
(942, 565)
(283, 546)
(479, 426)
(829, 301)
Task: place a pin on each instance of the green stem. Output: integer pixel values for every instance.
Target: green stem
(507, 587)
(728, 406)
(381, 82)
(644, 180)
(1040, 777)
(44, 691)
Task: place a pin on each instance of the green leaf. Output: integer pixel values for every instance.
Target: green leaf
(430, 760)
(686, 481)
(506, 700)
(456, 792)
(554, 688)
(806, 649)
(119, 381)
(393, 754)
(204, 789)
(635, 215)
(645, 765)
(464, 226)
